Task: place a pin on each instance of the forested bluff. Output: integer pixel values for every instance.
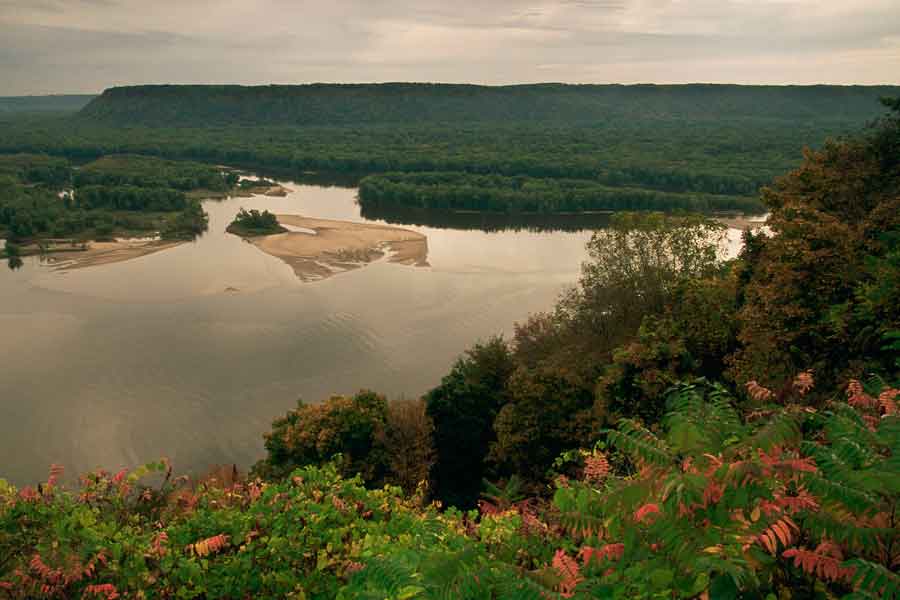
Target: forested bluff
(677, 426)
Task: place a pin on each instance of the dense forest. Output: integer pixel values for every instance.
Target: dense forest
(715, 140)
(678, 426)
(719, 157)
(44, 197)
(422, 103)
(496, 193)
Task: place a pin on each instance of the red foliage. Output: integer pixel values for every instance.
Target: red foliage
(887, 400)
(596, 468)
(646, 510)
(803, 500)
(56, 471)
(804, 382)
(488, 508)
(607, 552)
(569, 573)
(106, 590)
(824, 562)
(758, 392)
(858, 398)
(782, 531)
(29, 494)
(158, 543)
(209, 545)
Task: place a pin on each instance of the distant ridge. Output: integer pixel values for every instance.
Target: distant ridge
(357, 104)
(57, 103)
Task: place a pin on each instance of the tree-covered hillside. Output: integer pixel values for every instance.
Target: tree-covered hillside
(654, 140)
(678, 426)
(355, 104)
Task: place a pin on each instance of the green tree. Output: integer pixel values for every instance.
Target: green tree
(315, 434)
(463, 408)
(816, 292)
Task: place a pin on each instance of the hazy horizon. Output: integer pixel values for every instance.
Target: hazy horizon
(99, 92)
(86, 46)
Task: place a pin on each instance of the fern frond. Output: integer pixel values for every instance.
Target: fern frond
(382, 577)
(783, 429)
(640, 443)
(829, 490)
(843, 530)
(781, 531)
(819, 564)
(842, 421)
(524, 588)
(700, 417)
(569, 573)
(874, 578)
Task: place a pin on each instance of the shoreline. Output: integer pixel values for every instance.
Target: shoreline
(106, 253)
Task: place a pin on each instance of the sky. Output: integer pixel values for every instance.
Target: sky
(85, 46)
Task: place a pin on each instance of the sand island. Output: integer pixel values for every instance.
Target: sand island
(329, 247)
(91, 254)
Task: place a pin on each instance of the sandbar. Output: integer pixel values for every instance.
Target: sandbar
(331, 247)
(105, 253)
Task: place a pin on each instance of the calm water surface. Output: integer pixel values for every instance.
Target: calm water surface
(121, 364)
(117, 365)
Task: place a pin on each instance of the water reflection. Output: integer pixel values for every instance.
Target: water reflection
(491, 222)
(192, 351)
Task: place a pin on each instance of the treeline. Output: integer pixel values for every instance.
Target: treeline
(36, 169)
(30, 214)
(716, 156)
(485, 221)
(150, 172)
(495, 193)
(128, 197)
(46, 197)
(354, 104)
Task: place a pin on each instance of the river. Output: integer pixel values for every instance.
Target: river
(190, 353)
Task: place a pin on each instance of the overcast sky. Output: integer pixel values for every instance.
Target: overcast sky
(85, 46)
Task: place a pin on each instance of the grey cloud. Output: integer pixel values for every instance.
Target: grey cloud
(87, 45)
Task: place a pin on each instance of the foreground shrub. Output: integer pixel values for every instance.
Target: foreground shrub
(314, 434)
(302, 538)
(367, 435)
(781, 500)
(784, 498)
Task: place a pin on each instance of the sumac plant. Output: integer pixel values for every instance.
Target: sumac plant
(777, 500)
(766, 496)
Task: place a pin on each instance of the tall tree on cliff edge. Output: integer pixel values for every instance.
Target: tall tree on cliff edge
(821, 292)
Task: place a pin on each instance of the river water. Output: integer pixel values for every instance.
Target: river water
(121, 364)
(190, 353)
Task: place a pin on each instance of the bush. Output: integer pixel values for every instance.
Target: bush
(253, 222)
(315, 434)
